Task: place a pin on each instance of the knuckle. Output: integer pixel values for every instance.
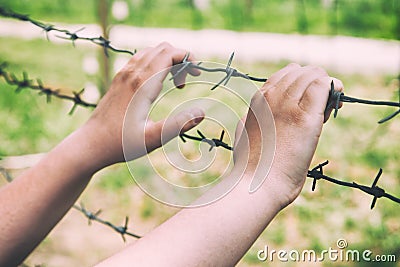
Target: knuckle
(268, 94)
(165, 46)
(293, 65)
(129, 77)
(319, 70)
(315, 69)
(319, 82)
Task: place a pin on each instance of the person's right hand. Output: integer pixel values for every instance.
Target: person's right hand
(297, 97)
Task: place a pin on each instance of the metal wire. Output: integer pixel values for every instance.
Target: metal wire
(66, 34)
(122, 230)
(317, 173)
(26, 83)
(335, 97)
(213, 142)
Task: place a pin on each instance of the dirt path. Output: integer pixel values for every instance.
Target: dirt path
(342, 54)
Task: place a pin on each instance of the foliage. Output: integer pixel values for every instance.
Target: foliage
(353, 142)
(367, 18)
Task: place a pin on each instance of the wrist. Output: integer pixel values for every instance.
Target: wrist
(277, 188)
(285, 187)
(85, 148)
(268, 195)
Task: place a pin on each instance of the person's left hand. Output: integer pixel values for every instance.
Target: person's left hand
(140, 81)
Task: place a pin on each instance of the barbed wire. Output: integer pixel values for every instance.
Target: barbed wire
(6, 174)
(317, 173)
(213, 142)
(91, 216)
(335, 97)
(122, 230)
(26, 83)
(67, 35)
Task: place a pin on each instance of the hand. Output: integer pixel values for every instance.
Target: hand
(133, 83)
(297, 97)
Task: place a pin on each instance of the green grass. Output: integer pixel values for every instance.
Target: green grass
(29, 123)
(354, 143)
(364, 18)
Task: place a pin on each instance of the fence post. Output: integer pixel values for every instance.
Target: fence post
(302, 23)
(103, 15)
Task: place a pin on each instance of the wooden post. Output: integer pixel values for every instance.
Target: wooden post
(302, 23)
(105, 73)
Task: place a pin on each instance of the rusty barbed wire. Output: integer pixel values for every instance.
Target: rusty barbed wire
(228, 70)
(122, 230)
(335, 97)
(317, 173)
(26, 83)
(213, 142)
(68, 35)
(6, 174)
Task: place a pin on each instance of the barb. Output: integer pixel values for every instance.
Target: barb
(122, 230)
(67, 35)
(317, 173)
(228, 70)
(213, 142)
(335, 97)
(6, 174)
(26, 83)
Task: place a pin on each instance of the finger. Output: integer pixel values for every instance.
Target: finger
(163, 131)
(316, 96)
(156, 64)
(305, 76)
(338, 86)
(162, 59)
(277, 76)
(180, 75)
(239, 129)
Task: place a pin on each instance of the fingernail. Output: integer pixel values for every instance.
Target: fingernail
(197, 114)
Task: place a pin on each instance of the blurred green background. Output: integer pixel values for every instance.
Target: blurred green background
(354, 143)
(366, 18)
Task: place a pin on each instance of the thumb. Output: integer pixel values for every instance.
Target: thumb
(239, 129)
(163, 131)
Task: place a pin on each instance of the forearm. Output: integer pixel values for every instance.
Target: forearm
(218, 234)
(34, 202)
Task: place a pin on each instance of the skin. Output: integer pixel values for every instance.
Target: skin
(211, 235)
(40, 197)
(215, 234)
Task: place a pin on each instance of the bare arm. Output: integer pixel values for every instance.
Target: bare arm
(34, 202)
(220, 233)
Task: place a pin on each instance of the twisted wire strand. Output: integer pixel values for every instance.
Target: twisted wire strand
(26, 83)
(317, 173)
(67, 35)
(230, 72)
(335, 97)
(91, 216)
(213, 142)
(122, 230)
